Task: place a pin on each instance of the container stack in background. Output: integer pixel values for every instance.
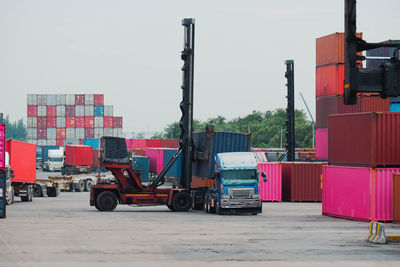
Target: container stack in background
(329, 77)
(60, 119)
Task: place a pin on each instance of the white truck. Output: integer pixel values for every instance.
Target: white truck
(55, 160)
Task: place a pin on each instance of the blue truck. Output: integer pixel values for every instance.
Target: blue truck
(236, 188)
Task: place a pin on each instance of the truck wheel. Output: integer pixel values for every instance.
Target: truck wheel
(182, 201)
(30, 193)
(88, 184)
(106, 201)
(51, 192)
(10, 200)
(206, 206)
(81, 186)
(171, 208)
(37, 191)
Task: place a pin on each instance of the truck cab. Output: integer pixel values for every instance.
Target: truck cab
(55, 160)
(236, 187)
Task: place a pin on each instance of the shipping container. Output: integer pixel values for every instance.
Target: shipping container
(70, 122)
(330, 49)
(89, 122)
(156, 159)
(78, 155)
(364, 139)
(89, 100)
(117, 122)
(79, 111)
(61, 133)
(329, 80)
(108, 122)
(51, 100)
(61, 100)
(159, 158)
(60, 122)
(95, 143)
(51, 111)
(96, 158)
(89, 133)
(22, 159)
(99, 111)
(2, 145)
(41, 100)
(394, 107)
(32, 100)
(176, 168)
(70, 100)
(60, 111)
(272, 189)
(108, 111)
(137, 143)
(141, 166)
(71, 142)
(60, 142)
(98, 132)
(89, 111)
(70, 111)
(79, 122)
(99, 100)
(51, 133)
(32, 111)
(79, 100)
(394, 99)
(51, 122)
(32, 141)
(99, 122)
(118, 132)
(321, 144)
(51, 142)
(42, 133)
(138, 152)
(80, 133)
(31, 133)
(41, 111)
(153, 142)
(42, 122)
(31, 122)
(70, 133)
(108, 132)
(301, 181)
(374, 104)
(380, 52)
(396, 197)
(171, 143)
(41, 142)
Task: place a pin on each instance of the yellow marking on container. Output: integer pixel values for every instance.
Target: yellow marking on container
(162, 195)
(347, 85)
(138, 195)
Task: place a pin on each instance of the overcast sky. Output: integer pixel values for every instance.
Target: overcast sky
(130, 51)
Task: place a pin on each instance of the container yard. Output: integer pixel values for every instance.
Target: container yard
(88, 178)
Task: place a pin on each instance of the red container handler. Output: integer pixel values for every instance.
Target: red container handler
(99, 99)
(78, 155)
(22, 157)
(70, 122)
(70, 111)
(89, 123)
(153, 142)
(364, 139)
(32, 111)
(329, 80)
(51, 111)
(108, 122)
(272, 189)
(61, 133)
(170, 143)
(79, 99)
(79, 122)
(301, 181)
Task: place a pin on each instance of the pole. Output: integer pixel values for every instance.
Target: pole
(290, 134)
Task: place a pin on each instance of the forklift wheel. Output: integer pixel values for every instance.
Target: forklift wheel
(106, 201)
(171, 208)
(182, 201)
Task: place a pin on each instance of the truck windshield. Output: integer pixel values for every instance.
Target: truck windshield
(239, 177)
(55, 159)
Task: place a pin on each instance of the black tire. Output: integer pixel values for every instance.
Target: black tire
(11, 199)
(182, 201)
(37, 190)
(88, 184)
(30, 193)
(51, 192)
(62, 171)
(171, 208)
(106, 201)
(81, 186)
(206, 205)
(254, 213)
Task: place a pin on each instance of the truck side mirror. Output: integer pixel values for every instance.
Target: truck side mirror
(12, 171)
(264, 177)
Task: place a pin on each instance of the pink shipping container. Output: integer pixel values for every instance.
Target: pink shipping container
(99, 100)
(108, 122)
(79, 99)
(128, 143)
(89, 123)
(117, 122)
(156, 159)
(42, 133)
(70, 111)
(51, 122)
(321, 144)
(89, 133)
(272, 189)
(51, 111)
(153, 142)
(32, 111)
(59, 142)
(2, 145)
(61, 133)
(41, 122)
(138, 143)
(79, 122)
(70, 122)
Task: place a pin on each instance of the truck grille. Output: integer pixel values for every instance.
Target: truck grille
(241, 192)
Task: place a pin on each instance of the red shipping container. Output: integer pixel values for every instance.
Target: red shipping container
(301, 181)
(138, 152)
(51, 122)
(79, 99)
(138, 143)
(272, 189)
(2, 145)
(171, 143)
(70, 122)
(42, 122)
(79, 122)
(70, 111)
(364, 139)
(22, 159)
(330, 49)
(51, 111)
(89, 133)
(89, 122)
(329, 80)
(78, 155)
(98, 100)
(60, 142)
(375, 104)
(32, 111)
(96, 160)
(153, 142)
(108, 122)
(321, 144)
(117, 122)
(60, 133)
(42, 133)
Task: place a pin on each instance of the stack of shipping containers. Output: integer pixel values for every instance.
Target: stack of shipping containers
(60, 119)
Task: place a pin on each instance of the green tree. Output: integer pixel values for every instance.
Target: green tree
(15, 130)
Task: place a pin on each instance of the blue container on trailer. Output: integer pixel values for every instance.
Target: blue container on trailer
(394, 107)
(95, 143)
(395, 99)
(99, 111)
(141, 165)
(45, 152)
(175, 169)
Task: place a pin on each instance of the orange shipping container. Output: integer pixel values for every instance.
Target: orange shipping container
(329, 80)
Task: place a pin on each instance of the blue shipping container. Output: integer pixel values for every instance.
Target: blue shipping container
(141, 165)
(95, 143)
(394, 107)
(99, 111)
(38, 152)
(395, 99)
(175, 169)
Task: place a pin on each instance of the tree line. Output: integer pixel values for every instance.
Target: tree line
(15, 130)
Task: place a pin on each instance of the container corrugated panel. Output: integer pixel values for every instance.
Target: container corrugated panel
(108, 111)
(329, 80)
(96, 158)
(42, 142)
(2, 144)
(41, 100)
(95, 143)
(70, 99)
(31, 133)
(156, 159)
(117, 122)
(78, 155)
(61, 99)
(60, 122)
(71, 142)
(22, 159)
(70, 111)
(41, 122)
(51, 111)
(79, 99)
(108, 122)
(138, 143)
(171, 143)
(89, 122)
(89, 100)
(51, 122)
(138, 152)
(396, 197)
(118, 132)
(98, 122)
(364, 139)
(60, 111)
(80, 111)
(89, 133)
(321, 144)
(70, 133)
(70, 122)
(108, 132)
(80, 133)
(31, 122)
(395, 107)
(79, 122)
(51, 142)
(32, 100)
(141, 165)
(51, 133)
(346, 192)
(153, 142)
(301, 181)
(272, 189)
(89, 110)
(41, 111)
(99, 111)
(98, 132)
(51, 100)
(175, 169)
(374, 104)
(32, 111)
(32, 141)
(60, 142)
(99, 99)
(61, 133)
